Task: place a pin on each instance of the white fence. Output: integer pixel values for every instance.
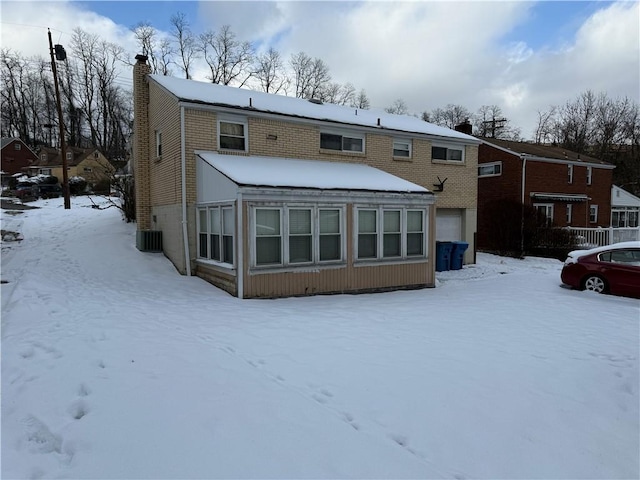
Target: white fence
(597, 237)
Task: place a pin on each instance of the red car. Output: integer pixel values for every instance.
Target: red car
(612, 269)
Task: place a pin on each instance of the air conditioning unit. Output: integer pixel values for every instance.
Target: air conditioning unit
(149, 240)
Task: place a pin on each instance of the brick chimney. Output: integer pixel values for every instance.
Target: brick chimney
(465, 127)
(141, 142)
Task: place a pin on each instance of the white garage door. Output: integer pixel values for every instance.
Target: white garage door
(448, 225)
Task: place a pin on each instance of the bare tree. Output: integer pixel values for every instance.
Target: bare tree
(398, 107)
(361, 101)
(544, 129)
(311, 75)
(269, 70)
(449, 117)
(185, 41)
(229, 60)
(491, 123)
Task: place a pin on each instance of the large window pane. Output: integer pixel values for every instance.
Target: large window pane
(235, 129)
(267, 222)
(215, 246)
(202, 234)
(367, 246)
(268, 250)
(330, 244)
(227, 249)
(454, 154)
(352, 144)
(392, 237)
(231, 143)
(415, 233)
(300, 243)
(300, 249)
(367, 221)
(299, 222)
(227, 221)
(330, 247)
(331, 142)
(268, 241)
(329, 221)
(438, 153)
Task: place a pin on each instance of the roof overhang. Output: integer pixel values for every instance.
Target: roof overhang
(560, 197)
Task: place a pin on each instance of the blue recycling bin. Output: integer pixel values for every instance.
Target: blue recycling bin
(443, 256)
(457, 254)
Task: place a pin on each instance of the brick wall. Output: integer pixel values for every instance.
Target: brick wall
(141, 153)
(543, 177)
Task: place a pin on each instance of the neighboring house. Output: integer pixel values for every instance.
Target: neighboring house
(88, 163)
(625, 208)
(568, 188)
(267, 196)
(16, 156)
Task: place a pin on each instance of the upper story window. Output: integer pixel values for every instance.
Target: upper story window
(69, 155)
(342, 142)
(232, 134)
(490, 169)
(158, 143)
(447, 153)
(570, 173)
(44, 171)
(87, 169)
(589, 175)
(17, 146)
(593, 214)
(402, 148)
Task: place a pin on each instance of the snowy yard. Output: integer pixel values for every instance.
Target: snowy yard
(114, 366)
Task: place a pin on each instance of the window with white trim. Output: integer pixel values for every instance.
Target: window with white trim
(401, 236)
(297, 235)
(490, 169)
(589, 175)
(401, 148)
(570, 173)
(69, 155)
(44, 171)
(232, 134)
(87, 169)
(216, 232)
(43, 157)
(447, 153)
(593, 214)
(624, 217)
(546, 210)
(17, 146)
(569, 212)
(342, 142)
(158, 143)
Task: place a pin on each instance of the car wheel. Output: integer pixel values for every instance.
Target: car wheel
(595, 283)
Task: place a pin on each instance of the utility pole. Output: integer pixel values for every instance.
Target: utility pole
(60, 54)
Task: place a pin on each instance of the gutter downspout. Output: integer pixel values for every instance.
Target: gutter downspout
(240, 244)
(183, 167)
(524, 178)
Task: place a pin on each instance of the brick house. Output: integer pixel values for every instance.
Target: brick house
(16, 156)
(88, 163)
(568, 188)
(343, 202)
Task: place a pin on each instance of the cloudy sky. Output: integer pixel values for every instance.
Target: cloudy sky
(521, 56)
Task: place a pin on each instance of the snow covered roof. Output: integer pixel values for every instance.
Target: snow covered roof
(251, 100)
(293, 173)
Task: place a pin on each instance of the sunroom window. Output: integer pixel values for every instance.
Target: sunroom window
(297, 235)
(216, 231)
(403, 234)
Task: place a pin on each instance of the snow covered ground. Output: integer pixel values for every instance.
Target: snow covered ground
(115, 366)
